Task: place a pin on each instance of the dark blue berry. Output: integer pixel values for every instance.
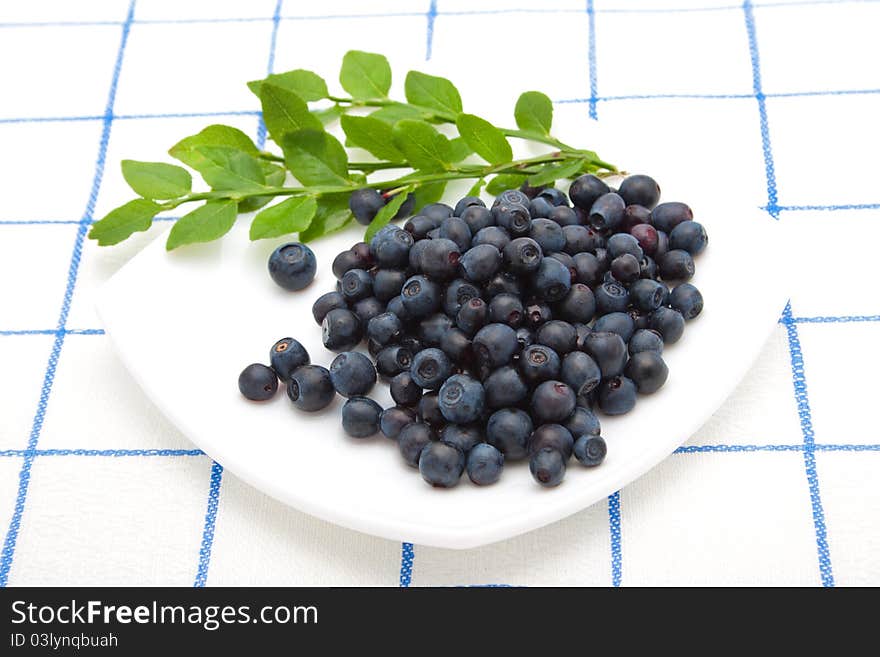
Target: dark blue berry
(396, 306)
(428, 410)
(662, 244)
(588, 269)
(580, 372)
(352, 374)
(555, 196)
(462, 399)
(508, 430)
(687, 300)
(360, 417)
(441, 464)
(552, 401)
(560, 336)
(472, 316)
(465, 437)
(506, 309)
(394, 419)
(492, 235)
(552, 281)
(430, 368)
(626, 268)
(357, 284)
(668, 323)
(564, 216)
(345, 261)
(512, 217)
(539, 363)
(582, 332)
(419, 226)
(421, 296)
(647, 238)
(477, 217)
(647, 370)
(524, 337)
(480, 263)
(540, 207)
(390, 247)
(622, 243)
(286, 355)
(608, 350)
(341, 330)
(547, 467)
(412, 440)
(667, 216)
(611, 297)
(505, 387)
(607, 212)
(325, 303)
(467, 202)
(647, 295)
(523, 255)
(387, 283)
(501, 283)
(456, 344)
(384, 328)
(537, 312)
(310, 388)
(640, 190)
(617, 395)
(689, 236)
(590, 450)
(577, 239)
(636, 215)
(437, 211)
(676, 264)
(648, 268)
(511, 196)
(548, 234)
(393, 360)
(586, 190)
(494, 346)
(457, 230)
(617, 322)
(485, 464)
(433, 328)
(405, 391)
(582, 422)
(458, 293)
(554, 436)
(578, 306)
(367, 309)
(258, 382)
(364, 204)
(292, 266)
(645, 340)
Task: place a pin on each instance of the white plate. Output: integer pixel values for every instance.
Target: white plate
(186, 323)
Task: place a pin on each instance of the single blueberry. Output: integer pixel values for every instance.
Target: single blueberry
(356, 285)
(484, 464)
(667, 216)
(463, 436)
(341, 330)
(462, 399)
(578, 239)
(310, 388)
(626, 268)
(467, 202)
(611, 297)
(523, 255)
(607, 212)
(508, 430)
(588, 269)
(537, 312)
(512, 217)
(472, 316)
(361, 417)
(393, 360)
(622, 243)
(506, 309)
(480, 263)
(617, 395)
(430, 368)
(352, 374)
(511, 196)
(539, 363)
(419, 226)
(325, 303)
(645, 340)
(493, 235)
(647, 370)
(590, 450)
(292, 266)
(580, 372)
(394, 419)
(412, 439)
(635, 215)
(405, 391)
(640, 190)
(608, 350)
(556, 196)
(421, 296)
(578, 306)
(441, 464)
(676, 264)
(547, 466)
(669, 323)
(387, 283)
(384, 328)
(258, 382)
(647, 238)
(552, 280)
(343, 262)
(286, 355)
(616, 322)
(428, 410)
(586, 190)
(647, 295)
(564, 216)
(500, 283)
(582, 421)
(437, 211)
(687, 300)
(477, 217)
(548, 234)
(390, 247)
(457, 230)
(494, 346)
(552, 401)
(554, 436)
(364, 204)
(367, 309)
(559, 335)
(540, 208)
(504, 387)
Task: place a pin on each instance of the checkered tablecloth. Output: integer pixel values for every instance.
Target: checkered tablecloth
(782, 485)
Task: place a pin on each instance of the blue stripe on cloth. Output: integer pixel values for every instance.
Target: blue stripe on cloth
(407, 557)
(115, 453)
(803, 406)
(829, 208)
(769, 166)
(270, 68)
(54, 332)
(24, 476)
(614, 529)
(591, 55)
(832, 319)
(210, 524)
(429, 37)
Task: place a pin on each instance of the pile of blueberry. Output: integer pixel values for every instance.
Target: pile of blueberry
(500, 329)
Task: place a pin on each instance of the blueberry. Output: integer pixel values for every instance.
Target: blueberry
(584, 191)
(310, 388)
(493, 235)
(325, 303)
(607, 212)
(390, 247)
(512, 217)
(578, 306)
(465, 437)
(286, 355)
(580, 372)
(647, 238)
(524, 337)
(626, 268)
(462, 399)
(547, 467)
(357, 284)
(667, 216)
(687, 300)
(645, 340)
(467, 202)
(406, 209)
(566, 260)
(412, 439)
(421, 296)
(501, 283)
(590, 450)
(364, 204)
(480, 263)
(540, 208)
(647, 370)
(484, 464)
(430, 368)
(506, 309)
(560, 336)
(433, 328)
(508, 430)
(440, 259)
(539, 363)
(428, 410)
(611, 297)
(419, 226)
(554, 436)
(617, 322)
(411, 343)
(292, 266)
(367, 309)
(341, 330)
(387, 283)
(537, 313)
(582, 332)
(588, 269)
(640, 190)
(511, 196)
(504, 387)
(552, 401)
(394, 419)
(343, 262)
(393, 360)
(477, 217)
(689, 236)
(582, 422)
(404, 391)
(384, 328)
(669, 323)
(662, 244)
(472, 316)
(564, 216)
(258, 382)
(456, 344)
(552, 281)
(494, 346)
(676, 264)
(439, 211)
(352, 374)
(523, 255)
(434, 234)
(456, 294)
(555, 196)
(441, 464)
(647, 295)
(617, 395)
(548, 234)
(578, 239)
(360, 417)
(457, 230)
(622, 243)
(396, 306)
(608, 350)
(635, 215)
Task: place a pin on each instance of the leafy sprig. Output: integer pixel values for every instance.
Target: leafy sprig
(400, 135)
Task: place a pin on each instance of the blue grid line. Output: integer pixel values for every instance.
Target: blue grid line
(115, 453)
(829, 208)
(591, 54)
(128, 117)
(803, 405)
(429, 37)
(48, 380)
(769, 167)
(839, 319)
(407, 556)
(210, 524)
(614, 529)
(270, 67)
(722, 448)
(53, 332)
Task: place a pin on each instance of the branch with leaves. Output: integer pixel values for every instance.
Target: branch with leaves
(400, 135)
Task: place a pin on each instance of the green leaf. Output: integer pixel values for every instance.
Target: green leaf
(431, 91)
(224, 167)
(315, 157)
(204, 224)
(285, 112)
(372, 135)
(459, 149)
(423, 146)
(332, 215)
(213, 135)
(275, 176)
(429, 193)
(307, 85)
(156, 179)
(328, 115)
(365, 74)
(534, 112)
(120, 223)
(394, 113)
(555, 171)
(290, 216)
(385, 215)
(504, 181)
(487, 140)
(477, 187)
